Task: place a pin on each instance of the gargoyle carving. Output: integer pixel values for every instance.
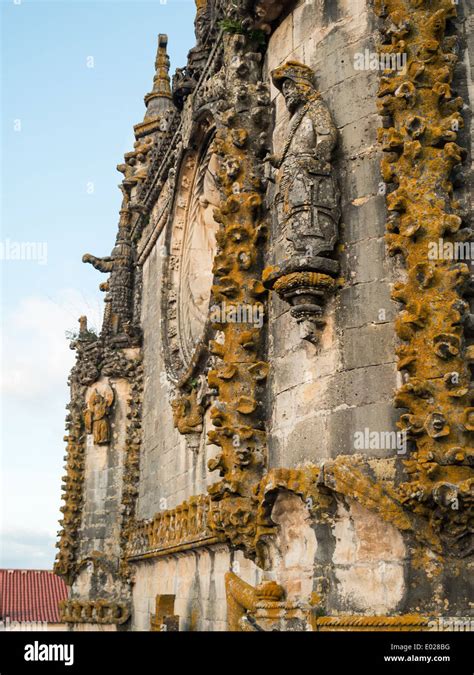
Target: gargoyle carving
(120, 265)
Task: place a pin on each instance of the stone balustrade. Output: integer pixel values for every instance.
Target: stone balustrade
(175, 529)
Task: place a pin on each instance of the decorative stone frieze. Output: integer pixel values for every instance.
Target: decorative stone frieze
(189, 525)
(101, 611)
(404, 622)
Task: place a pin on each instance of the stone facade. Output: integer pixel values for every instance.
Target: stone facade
(274, 428)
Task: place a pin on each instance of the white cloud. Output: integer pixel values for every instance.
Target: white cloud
(27, 549)
(36, 357)
(36, 360)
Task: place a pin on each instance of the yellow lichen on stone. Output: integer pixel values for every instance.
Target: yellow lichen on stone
(421, 122)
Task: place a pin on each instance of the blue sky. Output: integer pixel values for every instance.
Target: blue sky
(64, 128)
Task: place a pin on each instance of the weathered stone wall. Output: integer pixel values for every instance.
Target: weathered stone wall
(360, 560)
(321, 395)
(170, 471)
(196, 579)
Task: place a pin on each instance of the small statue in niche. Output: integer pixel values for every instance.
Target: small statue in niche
(306, 203)
(96, 416)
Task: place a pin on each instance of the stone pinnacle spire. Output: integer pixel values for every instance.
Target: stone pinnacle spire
(158, 99)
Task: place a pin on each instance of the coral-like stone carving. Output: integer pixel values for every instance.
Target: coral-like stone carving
(307, 201)
(187, 413)
(240, 143)
(422, 116)
(94, 611)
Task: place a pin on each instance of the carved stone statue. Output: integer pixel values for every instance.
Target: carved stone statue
(307, 196)
(96, 415)
(307, 199)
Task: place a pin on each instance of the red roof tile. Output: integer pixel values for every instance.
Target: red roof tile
(31, 595)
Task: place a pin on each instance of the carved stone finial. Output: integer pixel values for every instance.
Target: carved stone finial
(82, 325)
(161, 81)
(120, 265)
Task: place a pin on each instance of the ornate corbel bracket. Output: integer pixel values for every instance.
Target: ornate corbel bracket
(307, 293)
